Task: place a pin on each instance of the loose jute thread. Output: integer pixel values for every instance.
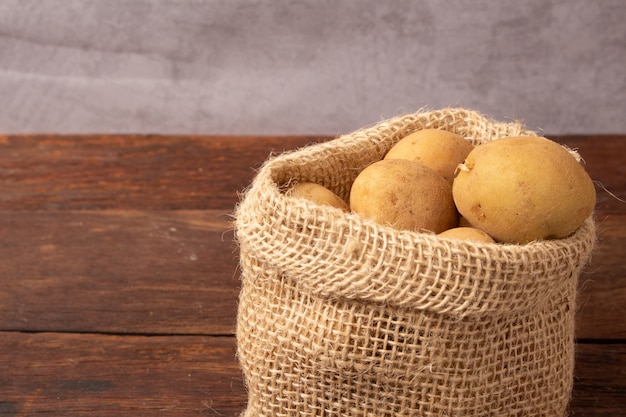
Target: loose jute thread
(339, 316)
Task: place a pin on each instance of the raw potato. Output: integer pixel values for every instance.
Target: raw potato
(405, 195)
(438, 149)
(523, 189)
(467, 233)
(463, 222)
(318, 194)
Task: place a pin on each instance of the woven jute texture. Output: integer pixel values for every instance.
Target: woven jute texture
(339, 316)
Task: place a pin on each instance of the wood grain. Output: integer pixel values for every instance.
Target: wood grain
(117, 271)
(119, 279)
(175, 272)
(602, 285)
(149, 172)
(599, 380)
(87, 374)
(155, 172)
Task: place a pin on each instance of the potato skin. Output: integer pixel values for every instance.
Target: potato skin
(467, 233)
(405, 195)
(523, 189)
(438, 149)
(318, 194)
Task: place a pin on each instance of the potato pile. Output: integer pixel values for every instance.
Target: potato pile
(510, 190)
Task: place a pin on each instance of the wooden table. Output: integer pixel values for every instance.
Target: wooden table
(119, 278)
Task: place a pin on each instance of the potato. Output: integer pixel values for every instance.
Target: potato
(467, 233)
(522, 189)
(463, 222)
(405, 195)
(318, 194)
(438, 149)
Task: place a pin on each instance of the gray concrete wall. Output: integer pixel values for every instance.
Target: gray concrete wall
(308, 66)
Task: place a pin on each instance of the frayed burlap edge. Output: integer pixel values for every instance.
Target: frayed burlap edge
(341, 259)
(266, 218)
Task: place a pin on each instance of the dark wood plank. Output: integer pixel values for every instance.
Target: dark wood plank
(125, 243)
(602, 295)
(118, 271)
(176, 272)
(88, 374)
(599, 381)
(54, 172)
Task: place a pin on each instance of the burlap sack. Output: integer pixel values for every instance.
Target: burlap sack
(339, 316)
